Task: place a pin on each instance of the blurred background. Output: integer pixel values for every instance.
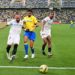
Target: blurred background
(65, 9)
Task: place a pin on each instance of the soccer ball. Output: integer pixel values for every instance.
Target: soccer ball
(43, 68)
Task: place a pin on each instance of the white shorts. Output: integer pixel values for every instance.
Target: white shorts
(13, 39)
(45, 34)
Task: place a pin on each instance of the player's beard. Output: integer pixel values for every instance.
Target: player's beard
(29, 15)
(17, 21)
(51, 17)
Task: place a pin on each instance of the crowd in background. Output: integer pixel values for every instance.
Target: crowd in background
(63, 15)
(4, 3)
(37, 3)
(28, 4)
(9, 14)
(66, 15)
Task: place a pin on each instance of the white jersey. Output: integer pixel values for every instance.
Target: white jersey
(48, 23)
(47, 27)
(15, 27)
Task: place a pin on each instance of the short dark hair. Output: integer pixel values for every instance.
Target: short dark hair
(29, 10)
(51, 11)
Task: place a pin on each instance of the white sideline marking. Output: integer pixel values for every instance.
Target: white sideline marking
(35, 67)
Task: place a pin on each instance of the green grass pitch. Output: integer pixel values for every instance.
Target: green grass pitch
(63, 49)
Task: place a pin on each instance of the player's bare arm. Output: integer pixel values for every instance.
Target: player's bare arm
(42, 25)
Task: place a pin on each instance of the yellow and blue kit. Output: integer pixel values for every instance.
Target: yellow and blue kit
(29, 26)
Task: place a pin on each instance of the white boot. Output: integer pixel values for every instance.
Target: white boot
(33, 56)
(26, 56)
(8, 56)
(49, 54)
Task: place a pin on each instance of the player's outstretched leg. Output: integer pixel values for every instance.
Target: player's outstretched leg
(14, 51)
(8, 53)
(43, 46)
(32, 48)
(33, 54)
(49, 46)
(26, 47)
(26, 50)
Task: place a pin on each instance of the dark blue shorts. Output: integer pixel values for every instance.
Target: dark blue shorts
(31, 35)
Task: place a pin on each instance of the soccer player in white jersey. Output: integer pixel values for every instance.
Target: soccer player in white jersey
(46, 32)
(14, 36)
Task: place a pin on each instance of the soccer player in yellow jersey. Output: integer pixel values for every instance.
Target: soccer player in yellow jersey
(72, 23)
(29, 26)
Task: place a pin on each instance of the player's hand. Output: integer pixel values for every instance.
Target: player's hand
(27, 30)
(37, 26)
(42, 33)
(22, 27)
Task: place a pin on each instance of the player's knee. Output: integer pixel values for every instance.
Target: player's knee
(25, 41)
(49, 42)
(45, 44)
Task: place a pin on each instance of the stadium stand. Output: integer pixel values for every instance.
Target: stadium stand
(68, 3)
(6, 14)
(40, 9)
(23, 3)
(17, 3)
(66, 15)
(5, 3)
(37, 3)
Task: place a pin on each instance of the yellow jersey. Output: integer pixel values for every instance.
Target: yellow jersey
(71, 22)
(29, 23)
